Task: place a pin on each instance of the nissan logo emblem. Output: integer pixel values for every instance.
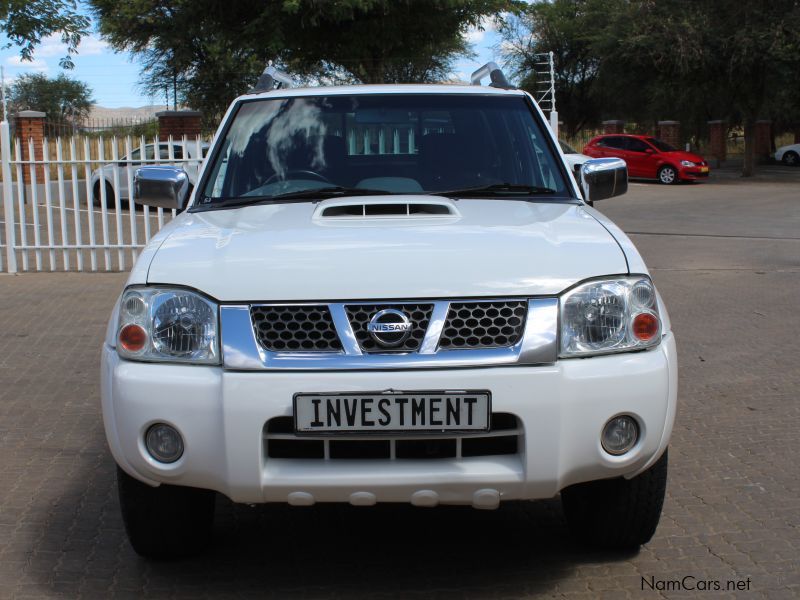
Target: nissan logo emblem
(389, 327)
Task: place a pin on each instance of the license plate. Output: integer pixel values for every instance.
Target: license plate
(704, 169)
(383, 412)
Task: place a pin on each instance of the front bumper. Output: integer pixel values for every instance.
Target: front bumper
(691, 173)
(221, 414)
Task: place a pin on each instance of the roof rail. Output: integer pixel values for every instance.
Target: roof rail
(496, 76)
(272, 79)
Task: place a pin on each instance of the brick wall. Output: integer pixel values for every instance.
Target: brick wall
(763, 138)
(30, 126)
(178, 123)
(717, 133)
(670, 132)
(614, 126)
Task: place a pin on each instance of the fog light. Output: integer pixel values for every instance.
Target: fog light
(164, 443)
(620, 435)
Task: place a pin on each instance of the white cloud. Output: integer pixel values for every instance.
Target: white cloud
(15, 62)
(474, 35)
(91, 45)
(52, 46)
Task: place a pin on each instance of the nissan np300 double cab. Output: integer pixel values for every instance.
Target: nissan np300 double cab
(388, 293)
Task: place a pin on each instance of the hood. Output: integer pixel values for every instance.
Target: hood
(338, 250)
(679, 155)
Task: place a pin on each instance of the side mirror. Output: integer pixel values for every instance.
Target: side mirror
(166, 187)
(649, 151)
(603, 178)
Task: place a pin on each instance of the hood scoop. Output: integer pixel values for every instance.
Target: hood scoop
(381, 207)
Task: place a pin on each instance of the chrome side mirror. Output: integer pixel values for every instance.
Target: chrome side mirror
(167, 187)
(603, 178)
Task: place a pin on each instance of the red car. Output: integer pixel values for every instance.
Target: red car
(649, 158)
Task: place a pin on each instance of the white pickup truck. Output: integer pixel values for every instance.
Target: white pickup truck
(388, 293)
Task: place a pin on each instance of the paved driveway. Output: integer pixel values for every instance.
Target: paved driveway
(726, 257)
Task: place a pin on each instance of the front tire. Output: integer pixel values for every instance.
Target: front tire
(791, 159)
(165, 522)
(668, 175)
(617, 514)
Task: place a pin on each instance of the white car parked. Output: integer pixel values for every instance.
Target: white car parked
(388, 293)
(118, 188)
(789, 155)
(575, 159)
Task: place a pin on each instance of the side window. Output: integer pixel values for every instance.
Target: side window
(149, 152)
(163, 152)
(615, 142)
(635, 145)
(135, 156)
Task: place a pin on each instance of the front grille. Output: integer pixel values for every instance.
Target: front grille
(504, 438)
(492, 324)
(294, 328)
(360, 315)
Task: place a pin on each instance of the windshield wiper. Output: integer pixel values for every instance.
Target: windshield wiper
(497, 189)
(330, 192)
(322, 193)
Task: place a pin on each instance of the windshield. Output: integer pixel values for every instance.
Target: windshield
(398, 144)
(661, 145)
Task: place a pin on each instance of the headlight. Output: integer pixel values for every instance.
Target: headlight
(687, 163)
(614, 315)
(160, 324)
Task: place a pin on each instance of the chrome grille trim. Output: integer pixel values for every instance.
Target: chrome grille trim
(359, 312)
(538, 345)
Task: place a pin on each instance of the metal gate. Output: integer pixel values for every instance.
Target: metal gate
(67, 207)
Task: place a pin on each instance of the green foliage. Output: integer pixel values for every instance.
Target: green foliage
(665, 59)
(62, 98)
(569, 29)
(213, 52)
(26, 22)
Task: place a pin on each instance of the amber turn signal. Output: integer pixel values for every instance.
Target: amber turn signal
(132, 337)
(645, 326)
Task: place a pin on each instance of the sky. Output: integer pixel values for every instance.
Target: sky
(114, 77)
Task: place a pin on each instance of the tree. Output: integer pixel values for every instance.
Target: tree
(214, 52)
(651, 59)
(738, 53)
(568, 29)
(63, 99)
(26, 22)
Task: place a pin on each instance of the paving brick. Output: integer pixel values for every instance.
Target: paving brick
(733, 500)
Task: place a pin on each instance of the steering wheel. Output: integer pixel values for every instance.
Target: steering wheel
(312, 174)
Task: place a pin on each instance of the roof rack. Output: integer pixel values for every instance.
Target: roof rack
(272, 79)
(496, 76)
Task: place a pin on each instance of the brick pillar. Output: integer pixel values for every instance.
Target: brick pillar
(614, 126)
(763, 138)
(178, 123)
(670, 132)
(717, 133)
(30, 126)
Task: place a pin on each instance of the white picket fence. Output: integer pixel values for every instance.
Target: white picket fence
(56, 222)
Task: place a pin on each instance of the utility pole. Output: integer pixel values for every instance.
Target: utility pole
(3, 91)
